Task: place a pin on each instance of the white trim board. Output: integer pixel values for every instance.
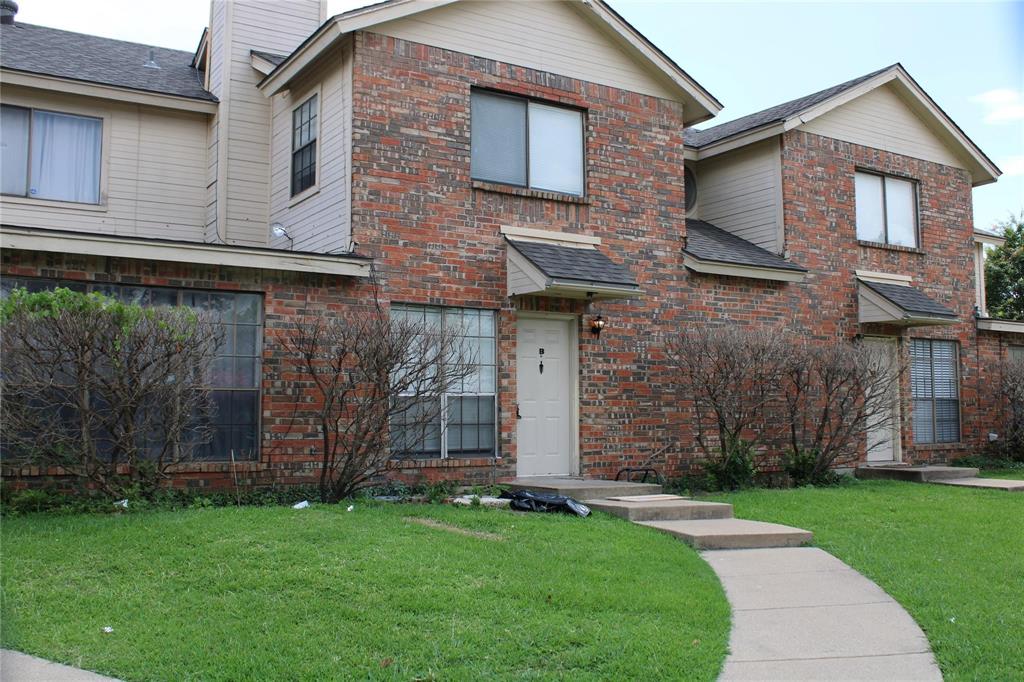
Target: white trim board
(204, 254)
(111, 92)
(994, 325)
(749, 271)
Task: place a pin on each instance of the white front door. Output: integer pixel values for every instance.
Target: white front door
(884, 430)
(544, 437)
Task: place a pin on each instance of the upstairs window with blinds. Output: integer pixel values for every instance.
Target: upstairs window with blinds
(886, 209)
(520, 142)
(304, 135)
(935, 389)
(50, 155)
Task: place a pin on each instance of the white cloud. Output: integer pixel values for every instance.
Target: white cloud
(1012, 165)
(1002, 105)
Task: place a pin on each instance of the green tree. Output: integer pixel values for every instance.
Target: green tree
(1004, 272)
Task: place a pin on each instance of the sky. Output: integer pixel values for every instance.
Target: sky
(969, 56)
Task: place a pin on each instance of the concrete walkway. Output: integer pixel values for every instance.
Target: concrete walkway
(799, 613)
(1008, 484)
(18, 667)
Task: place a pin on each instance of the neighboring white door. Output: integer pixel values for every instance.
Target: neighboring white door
(884, 429)
(544, 437)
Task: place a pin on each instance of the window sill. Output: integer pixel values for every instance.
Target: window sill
(449, 463)
(941, 446)
(499, 188)
(52, 203)
(890, 247)
(303, 195)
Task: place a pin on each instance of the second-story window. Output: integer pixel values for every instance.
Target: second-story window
(304, 135)
(517, 141)
(50, 155)
(886, 209)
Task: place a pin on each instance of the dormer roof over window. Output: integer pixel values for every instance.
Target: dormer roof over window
(650, 70)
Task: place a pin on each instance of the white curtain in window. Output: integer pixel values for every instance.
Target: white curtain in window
(14, 143)
(65, 157)
(556, 149)
(899, 212)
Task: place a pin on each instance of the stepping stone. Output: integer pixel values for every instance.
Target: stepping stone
(915, 474)
(646, 498)
(1009, 485)
(672, 509)
(583, 488)
(732, 533)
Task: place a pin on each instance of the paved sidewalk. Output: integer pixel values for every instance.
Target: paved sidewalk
(1007, 484)
(19, 667)
(799, 613)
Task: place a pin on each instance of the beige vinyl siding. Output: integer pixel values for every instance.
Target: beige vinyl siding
(741, 192)
(321, 220)
(242, 139)
(154, 171)
(544, 35)
(880, 119)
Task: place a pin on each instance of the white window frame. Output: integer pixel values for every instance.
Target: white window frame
(529, 101)
(67, 108)
(885, 209)
(315, 187)
(444, 398)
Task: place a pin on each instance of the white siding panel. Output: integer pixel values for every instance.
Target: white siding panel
(880, 119)
(545, 35)
(154, 172)
(321, 221)
(740, 192)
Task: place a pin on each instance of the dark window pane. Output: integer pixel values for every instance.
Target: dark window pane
(244, 407)
(247, 308)
(498, 138)
(163, 297)
(245, 339)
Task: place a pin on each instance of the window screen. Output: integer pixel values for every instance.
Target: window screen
(498, 138)
(935, 390)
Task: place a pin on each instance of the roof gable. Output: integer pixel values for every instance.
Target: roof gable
(944, 138)
(582, 39)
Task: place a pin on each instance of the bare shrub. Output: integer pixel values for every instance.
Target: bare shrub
(731, 376)
(835, 395)
(1011, 395)
(108, 391)
(362, 373)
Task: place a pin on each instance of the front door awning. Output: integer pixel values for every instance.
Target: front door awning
(899, 304)
(563, 270)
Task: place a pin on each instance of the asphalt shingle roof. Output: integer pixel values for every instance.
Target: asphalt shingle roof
(912, 300)
(271, 57)
(710, 243)
(570, 263)
(776, 114)
(65, 54)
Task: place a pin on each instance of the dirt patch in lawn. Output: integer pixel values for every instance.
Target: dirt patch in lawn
(438, 525)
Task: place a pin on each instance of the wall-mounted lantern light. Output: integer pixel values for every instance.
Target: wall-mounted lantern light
(596, 325)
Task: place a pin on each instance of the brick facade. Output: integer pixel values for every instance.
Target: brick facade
(435, 238)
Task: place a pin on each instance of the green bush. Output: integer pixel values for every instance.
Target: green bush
(734, 468)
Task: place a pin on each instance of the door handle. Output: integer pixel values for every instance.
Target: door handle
(518, 415)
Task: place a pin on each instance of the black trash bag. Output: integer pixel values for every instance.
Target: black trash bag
(529, 500)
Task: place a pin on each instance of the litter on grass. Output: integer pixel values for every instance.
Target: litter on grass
(301, 505)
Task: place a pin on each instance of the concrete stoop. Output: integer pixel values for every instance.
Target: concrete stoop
(582, 488)
(732, 533)
(667, 508)
(914, 474)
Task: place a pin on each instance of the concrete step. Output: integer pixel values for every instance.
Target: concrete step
(1009, 485)
(732, 533)
(668, 508)
(583, 488)
(915, 474)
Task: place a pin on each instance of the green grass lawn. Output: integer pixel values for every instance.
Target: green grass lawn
(1015, 474)
(953, 557)
(276, 593)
